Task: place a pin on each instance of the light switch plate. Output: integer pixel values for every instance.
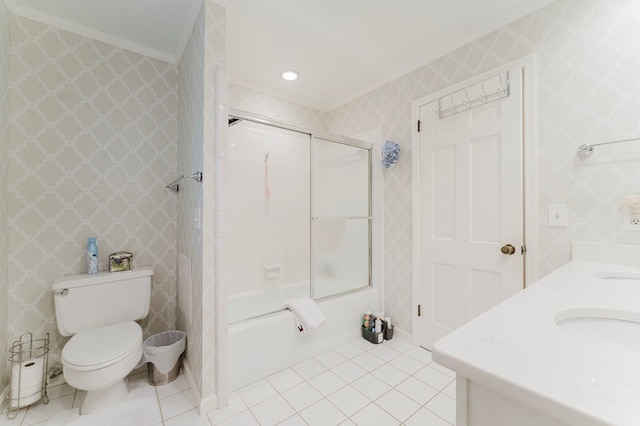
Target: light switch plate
(558, 215)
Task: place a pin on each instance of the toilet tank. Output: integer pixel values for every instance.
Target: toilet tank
(83, 302)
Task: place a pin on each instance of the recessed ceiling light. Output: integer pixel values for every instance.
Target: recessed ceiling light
(289, 75)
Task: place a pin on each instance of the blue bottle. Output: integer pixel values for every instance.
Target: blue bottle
(92, 256)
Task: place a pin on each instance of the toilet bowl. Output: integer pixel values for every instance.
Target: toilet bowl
(99, 312)
(99, 360)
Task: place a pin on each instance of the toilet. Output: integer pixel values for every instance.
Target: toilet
(100, 312)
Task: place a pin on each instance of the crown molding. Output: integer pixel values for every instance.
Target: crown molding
(82, 30)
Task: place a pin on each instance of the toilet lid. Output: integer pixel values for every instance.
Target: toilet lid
(102, 345)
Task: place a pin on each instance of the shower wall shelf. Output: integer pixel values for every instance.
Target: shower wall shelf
(587, 149)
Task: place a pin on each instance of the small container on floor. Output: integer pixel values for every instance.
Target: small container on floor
(388, 332)
(156, 378)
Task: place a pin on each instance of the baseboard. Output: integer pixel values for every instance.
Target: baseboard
(403, 335)
(205, 405)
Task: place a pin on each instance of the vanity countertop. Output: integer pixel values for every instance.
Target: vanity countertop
(518, 350)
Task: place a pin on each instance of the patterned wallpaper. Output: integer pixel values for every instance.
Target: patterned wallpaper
(4, 148)
(190, 128)
(587, 90)
(92, 142)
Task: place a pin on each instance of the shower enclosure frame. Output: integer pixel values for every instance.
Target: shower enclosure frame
(235, 116)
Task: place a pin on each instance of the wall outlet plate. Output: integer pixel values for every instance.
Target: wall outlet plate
(631, 221)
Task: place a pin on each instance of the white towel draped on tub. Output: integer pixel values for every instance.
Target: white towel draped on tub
(306, 313)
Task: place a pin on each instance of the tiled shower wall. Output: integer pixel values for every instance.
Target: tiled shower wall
(92, 142)
(268, 236)
(587, 91)
(4, 148)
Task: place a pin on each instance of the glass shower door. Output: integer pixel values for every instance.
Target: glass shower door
(341, 218)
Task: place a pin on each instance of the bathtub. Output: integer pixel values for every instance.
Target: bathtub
(262, 346)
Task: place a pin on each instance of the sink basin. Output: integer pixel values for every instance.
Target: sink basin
(616, 329)
(618, 275)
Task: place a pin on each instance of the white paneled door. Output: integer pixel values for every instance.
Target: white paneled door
(471, 209)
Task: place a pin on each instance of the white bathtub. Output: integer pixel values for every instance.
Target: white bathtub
(263, 346)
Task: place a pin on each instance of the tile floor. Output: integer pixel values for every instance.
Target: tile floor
(357, 383)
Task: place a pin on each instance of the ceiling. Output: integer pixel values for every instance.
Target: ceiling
(342, 49)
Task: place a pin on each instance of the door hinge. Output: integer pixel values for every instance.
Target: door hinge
(523, 250)
(418, 125)
(419, 310)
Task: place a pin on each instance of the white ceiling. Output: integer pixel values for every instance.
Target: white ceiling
(342, 48)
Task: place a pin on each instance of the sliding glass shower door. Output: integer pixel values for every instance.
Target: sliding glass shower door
(298, 216)
(341, 218)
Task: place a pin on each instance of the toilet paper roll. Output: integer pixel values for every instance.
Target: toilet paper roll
(26, 379)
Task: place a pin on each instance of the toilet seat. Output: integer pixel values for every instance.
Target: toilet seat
(101, 347)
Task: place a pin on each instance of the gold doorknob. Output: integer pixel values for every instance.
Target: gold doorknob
(508, 249)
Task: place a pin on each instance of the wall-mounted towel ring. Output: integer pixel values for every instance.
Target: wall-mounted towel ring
(390, 154)
(197, 176)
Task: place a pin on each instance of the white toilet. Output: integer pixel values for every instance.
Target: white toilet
(100, 311)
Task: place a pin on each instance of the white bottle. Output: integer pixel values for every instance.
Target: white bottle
(378, 325)
(92, 256)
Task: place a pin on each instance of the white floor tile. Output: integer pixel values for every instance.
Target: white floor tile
(272, 411)
(371, 387)
(450, 390)
(348, 423)
(190, 418)
(369, 362)
(349, 350)
(364, 344)
(257, 392)
(139, 388)
(285, 379)
(421, 354)
(357, 383)
(322, 413)
(390, 375)
(443, 406)
(235, 405)
(41, 412)
(78, 399)
(419, 391)
(374, 416)
(349, 371)
(442, 369)
(309, 368)
(178, 385)
(55, 392)
(433, 378)
(177, 404)
(293, 421)
(385, 353)
(330, 359)
(348, 400)
(398, 405)
(399, 344)
(425, 417)
(17, 420)
(243, 419)
(302, 396)
(327, 383)
(407, 364)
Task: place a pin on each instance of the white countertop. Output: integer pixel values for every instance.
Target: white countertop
(517, 349)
